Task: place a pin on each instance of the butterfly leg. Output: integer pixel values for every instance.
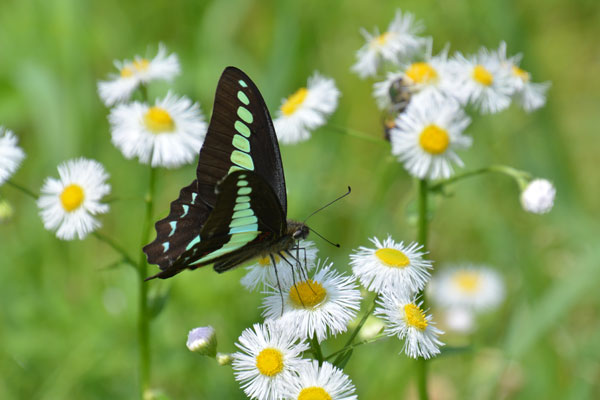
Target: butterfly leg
(278, 283)
(293, 275)
(302, 270)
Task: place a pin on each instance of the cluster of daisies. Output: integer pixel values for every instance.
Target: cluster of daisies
(424, 97)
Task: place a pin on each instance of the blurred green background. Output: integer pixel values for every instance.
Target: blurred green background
(68, 323)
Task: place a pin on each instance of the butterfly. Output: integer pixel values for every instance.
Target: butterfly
(235, 210)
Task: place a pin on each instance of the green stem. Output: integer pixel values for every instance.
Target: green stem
(22, 189)
(422, 239)
(143, 317)
(520, 176)
(362, 321)
(115, 247)
(346, 348)
(355, 134)
(316, 349)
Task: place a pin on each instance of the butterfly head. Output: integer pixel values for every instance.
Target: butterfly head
(298, 230)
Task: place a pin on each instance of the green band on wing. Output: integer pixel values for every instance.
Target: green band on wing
(234, 168)
(241, 143)
(243, 98)
(243, 221)
(245, 115)
(242, 159)
(244, 190)
(236, 241)
(242, 128)
(241, 206)
(242, 213)
(191, 244)
(244, 228)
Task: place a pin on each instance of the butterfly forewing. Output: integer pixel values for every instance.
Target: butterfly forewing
(240, 137)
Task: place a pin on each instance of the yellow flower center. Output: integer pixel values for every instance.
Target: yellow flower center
(414, 316)
(521, 73)
(382, 39)
(482, 75)
(421, 72)
(294, 101)
(314, 393)
(307, 294)
(136, 66)
(269, 362)
(266, 261)
(467, 281)
(158, 120)
(72, 197)
(392, 258)
(434, 139)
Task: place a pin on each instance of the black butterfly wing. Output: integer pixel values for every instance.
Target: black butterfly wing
(240, 137)
(184, 222)
(246, 222)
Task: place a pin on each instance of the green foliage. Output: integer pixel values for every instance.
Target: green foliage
(68, 323)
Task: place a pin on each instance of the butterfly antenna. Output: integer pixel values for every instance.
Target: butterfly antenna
(327, 205)
(324, 238)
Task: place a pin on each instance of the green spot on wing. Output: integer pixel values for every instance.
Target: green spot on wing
(242, 128)
(241, 206)
(245, 115)
(242, 182)
(242, 159)
(243, 199)
(243, 221)
(243, 213)
(241, 143)
(244, 190)
(243, 98)
(242, 83)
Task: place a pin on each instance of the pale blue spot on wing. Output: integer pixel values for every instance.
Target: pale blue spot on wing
(191, 244)
(243, 98)
(242, 159)
(244, 190)
(165, 247)
(245, 114)
(243, 221)
(242, 83)
(186, 208)
(241, 143)
(194, 197)
(173, 227)
(244, 228)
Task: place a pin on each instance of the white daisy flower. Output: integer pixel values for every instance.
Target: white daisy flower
(168, 134)
(530, 95)
(459, 319)
(314, 307)
(538, 196)
(306, 110)
(324, 382)
(391, 266)
(139, 71)
(406, 319)
(68, 204)
(470, 287)
(262, 273)
(269, 357)
(483, 81)
(426, 136)
(11, 155)
(399, 41)
(432, 77)
(203, 341)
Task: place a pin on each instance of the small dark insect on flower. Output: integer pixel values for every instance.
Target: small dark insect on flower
(400, 94)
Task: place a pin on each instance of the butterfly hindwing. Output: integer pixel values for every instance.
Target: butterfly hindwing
(246, 220)
(240, 137)
(173, 233)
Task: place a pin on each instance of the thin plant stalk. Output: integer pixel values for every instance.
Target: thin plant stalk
(143, 312)
(422, 231)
